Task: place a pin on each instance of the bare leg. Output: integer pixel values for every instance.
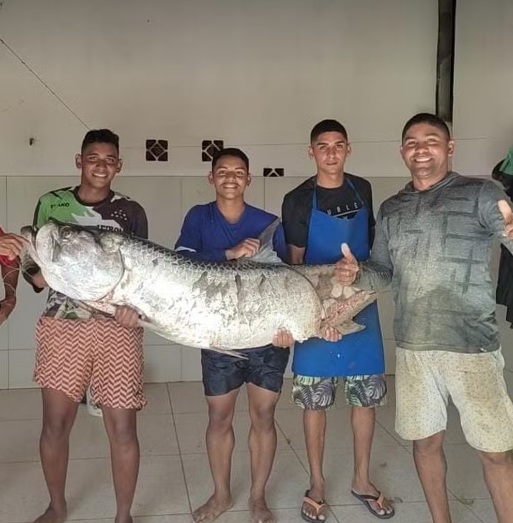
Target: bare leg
(262, 445)
(432, 470)
(363, 421)
(121, 427)
(220, 442)
(498, 473)
(58, 417)
(314, 422)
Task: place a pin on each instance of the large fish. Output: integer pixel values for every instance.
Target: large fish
(221, 306)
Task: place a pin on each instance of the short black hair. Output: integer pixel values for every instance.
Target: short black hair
(429, 118)
(230, 151)
(100, 136)
(327, 126)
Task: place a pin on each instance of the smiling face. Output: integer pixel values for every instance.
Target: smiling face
(330, 151)
(99, 162)
(426, 151)
(230, 177)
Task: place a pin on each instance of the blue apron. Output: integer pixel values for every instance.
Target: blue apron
(358, 353)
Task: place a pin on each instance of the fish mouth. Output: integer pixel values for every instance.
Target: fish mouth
(30, 234)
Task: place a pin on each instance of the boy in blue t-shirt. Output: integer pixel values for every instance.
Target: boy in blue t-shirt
(228, 229)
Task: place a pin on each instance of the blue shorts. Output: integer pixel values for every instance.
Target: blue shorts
(264, 367)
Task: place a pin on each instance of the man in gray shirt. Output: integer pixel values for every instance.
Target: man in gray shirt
(433, 245)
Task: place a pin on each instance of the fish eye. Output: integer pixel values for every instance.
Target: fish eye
(66, 233)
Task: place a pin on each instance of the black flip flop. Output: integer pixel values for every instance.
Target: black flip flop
(379, 499)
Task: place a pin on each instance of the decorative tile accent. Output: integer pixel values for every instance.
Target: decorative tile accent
(156, 150)
(274, 172)
(209, 148)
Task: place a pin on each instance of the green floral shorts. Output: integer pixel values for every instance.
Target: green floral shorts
(319, 393)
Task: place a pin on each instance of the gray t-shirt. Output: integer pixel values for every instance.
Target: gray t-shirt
(434, 247)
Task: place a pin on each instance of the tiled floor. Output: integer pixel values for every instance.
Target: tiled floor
(174, 469)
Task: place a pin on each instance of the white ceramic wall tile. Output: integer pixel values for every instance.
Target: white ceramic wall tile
(21, 367)
(4, 369)
(478, 156)
(383, 188)
(162, 363)
(19, 404)
(3, 200)
(150, 339)
(375, 159)
(277, 188)
(23, 193)
(160, 197)
(23, 320)
(183, 160)
(4, 329)
(191, 364)
(4, 335)
(390, 346)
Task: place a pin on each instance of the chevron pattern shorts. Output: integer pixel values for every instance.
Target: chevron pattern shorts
(73, 354)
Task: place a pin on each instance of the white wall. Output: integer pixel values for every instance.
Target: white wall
(483, 89)
(258, 75)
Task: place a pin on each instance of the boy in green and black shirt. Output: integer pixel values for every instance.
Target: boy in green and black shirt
(77, 348)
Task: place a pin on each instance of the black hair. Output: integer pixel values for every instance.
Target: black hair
(230, 151)
(100, 136)
(428, 118)
(327, 126)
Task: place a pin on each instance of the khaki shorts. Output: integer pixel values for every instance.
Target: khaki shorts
(475, 383)
(73, 354)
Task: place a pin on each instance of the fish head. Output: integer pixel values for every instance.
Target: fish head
(82, 263)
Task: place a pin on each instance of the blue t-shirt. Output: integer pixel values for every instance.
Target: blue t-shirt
(206, 233)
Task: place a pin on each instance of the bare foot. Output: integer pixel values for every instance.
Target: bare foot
(212, 509)
(51, 515)
(124, 520)
(370, 490)
(260, 513)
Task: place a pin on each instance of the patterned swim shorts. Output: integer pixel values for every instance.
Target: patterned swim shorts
(319, 393)
(73, 354)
